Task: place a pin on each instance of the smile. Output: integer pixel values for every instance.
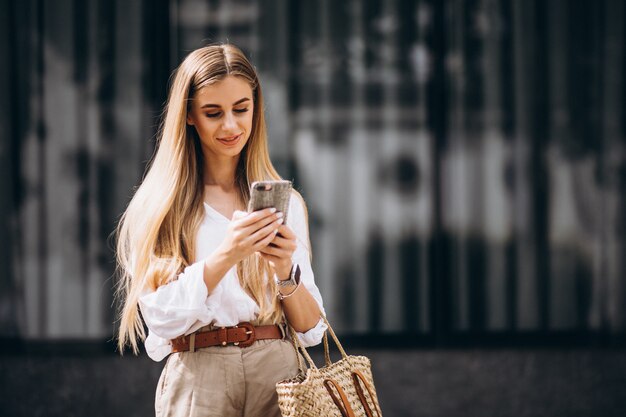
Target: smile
(230, 141)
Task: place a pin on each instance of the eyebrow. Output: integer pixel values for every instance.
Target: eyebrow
(217, 105)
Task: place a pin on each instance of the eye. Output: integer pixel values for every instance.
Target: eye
(213, 115)
(241, 110)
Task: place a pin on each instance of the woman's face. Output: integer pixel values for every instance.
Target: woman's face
(222, 115)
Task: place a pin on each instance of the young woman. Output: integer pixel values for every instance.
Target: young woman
(214, 283)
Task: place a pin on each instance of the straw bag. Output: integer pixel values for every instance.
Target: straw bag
(342, 389)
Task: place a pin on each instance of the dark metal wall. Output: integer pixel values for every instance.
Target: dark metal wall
(85, 83)
(463, 161)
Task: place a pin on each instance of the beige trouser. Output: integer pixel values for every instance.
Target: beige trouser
(225, 380)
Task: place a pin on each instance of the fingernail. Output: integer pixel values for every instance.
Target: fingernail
(280, 214)
(275, 231)
(273, 210)
(280, 221)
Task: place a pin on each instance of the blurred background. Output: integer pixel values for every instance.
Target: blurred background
(463, 162)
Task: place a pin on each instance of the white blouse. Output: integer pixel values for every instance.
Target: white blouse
(184, 305)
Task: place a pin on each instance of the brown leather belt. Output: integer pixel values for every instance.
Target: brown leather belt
(242, 335)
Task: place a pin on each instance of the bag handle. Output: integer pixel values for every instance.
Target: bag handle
(326, 351)
(330, 330)
(308, 358)
(300, 349)
(358, 378)
(341, 402)
(301, 366)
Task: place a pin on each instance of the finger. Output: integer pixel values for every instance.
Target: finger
(289, 244)
(286, 232)
(276, 217)
(255, 231)
(255, 216)
(264, 241)
(238, 214)
(271, 250)
(268, 230)
(259, 224)
(270, 258)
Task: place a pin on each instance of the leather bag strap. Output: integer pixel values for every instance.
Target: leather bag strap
(359, 378)
(342, 402)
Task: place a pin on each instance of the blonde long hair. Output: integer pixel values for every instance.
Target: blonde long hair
(156, 233)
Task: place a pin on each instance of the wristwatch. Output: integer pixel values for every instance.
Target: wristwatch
(294, 277)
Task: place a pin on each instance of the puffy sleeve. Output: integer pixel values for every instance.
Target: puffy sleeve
(174, 307)
(297, 220)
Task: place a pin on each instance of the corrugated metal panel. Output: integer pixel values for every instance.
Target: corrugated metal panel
(463, 162)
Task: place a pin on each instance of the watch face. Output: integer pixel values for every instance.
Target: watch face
(296, 274)
(294, 277)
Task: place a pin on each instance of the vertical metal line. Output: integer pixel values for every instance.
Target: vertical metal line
(224, 20)
(599, 25)
(508, 115)
(460, 276)
(81, 40)
(103, 65)
(494, 247)
(425, 257)
(620, 307)
(394, 302)
(539, 174)
(174, 32)
(10, 296)
(616, 308)
(440, 277)
(42, 250)
(290, 71)
(367, 312)
(527, 311)
(15, 250)
(254, 35)
(324, 122)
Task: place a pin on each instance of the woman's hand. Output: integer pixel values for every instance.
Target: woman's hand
(249, 232)
(279, 252)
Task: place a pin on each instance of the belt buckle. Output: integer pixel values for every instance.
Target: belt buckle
(249, 331)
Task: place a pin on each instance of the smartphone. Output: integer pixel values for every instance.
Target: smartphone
(264, 194)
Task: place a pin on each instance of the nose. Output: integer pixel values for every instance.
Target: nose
(229, 122)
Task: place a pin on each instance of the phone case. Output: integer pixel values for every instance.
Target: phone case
(265, 194)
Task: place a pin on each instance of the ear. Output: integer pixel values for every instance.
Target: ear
(189, 119)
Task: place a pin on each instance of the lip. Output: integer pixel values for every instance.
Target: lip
(230, 141)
